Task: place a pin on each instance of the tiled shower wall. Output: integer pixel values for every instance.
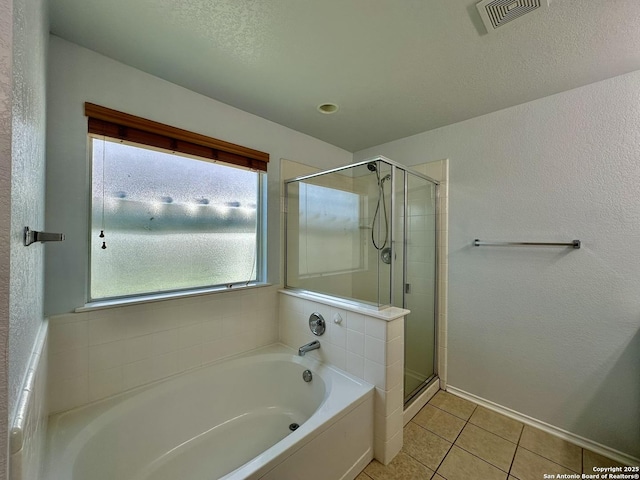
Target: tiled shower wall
(100, 353)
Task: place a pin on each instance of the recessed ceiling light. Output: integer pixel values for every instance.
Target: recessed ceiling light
(327, 108)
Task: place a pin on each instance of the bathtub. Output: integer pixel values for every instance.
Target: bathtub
(229, 420)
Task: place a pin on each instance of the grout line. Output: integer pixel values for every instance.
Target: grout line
(483, 459)
(453, 414)
(477, 456)
(454, 441)
(426, 466)
(517, 444)
(513, 459)
(547, 459)
(435, 433)
(553, 461)
(468, 422)
(516, 452)
(521, 433)
(494, 433)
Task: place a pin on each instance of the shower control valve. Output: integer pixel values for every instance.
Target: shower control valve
(317, 324)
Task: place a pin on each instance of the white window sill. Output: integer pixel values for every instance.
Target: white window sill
(160, 297)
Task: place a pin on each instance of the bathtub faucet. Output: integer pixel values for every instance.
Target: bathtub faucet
(307, 347)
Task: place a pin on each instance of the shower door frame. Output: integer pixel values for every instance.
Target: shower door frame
(411, 396)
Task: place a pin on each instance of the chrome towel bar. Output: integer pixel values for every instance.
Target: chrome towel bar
(573, 243)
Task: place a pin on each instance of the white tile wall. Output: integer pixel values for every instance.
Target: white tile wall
(443, 273)
(95, 354)
(365, 346)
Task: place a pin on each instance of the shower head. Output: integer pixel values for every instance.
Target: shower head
(385, 178)
(372, 167)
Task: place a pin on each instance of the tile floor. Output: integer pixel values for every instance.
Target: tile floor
(454, 439)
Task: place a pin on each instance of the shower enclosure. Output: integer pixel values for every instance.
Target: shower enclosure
(367, 233)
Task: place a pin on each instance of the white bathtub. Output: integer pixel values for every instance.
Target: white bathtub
(227, 420)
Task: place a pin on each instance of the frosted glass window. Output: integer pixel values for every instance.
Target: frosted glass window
(329, 240)
(170, 222)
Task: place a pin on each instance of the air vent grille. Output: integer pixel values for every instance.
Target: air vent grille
(496, 13)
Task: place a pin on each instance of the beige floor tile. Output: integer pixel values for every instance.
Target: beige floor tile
(461, 465)
(403, 467)
(437, 477)
(592, 459)
(424, 446)
(529, 466)
(439, 422)
(552, 448)
(457, 406)
(363, 476)
(489, 447)
(496, 423)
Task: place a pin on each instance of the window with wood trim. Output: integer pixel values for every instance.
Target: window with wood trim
(171, 210)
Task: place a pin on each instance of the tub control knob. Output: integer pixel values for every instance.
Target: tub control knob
(337, 318)
(316, 324)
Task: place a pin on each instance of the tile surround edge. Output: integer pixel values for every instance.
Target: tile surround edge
(387, 314)
(28, 424)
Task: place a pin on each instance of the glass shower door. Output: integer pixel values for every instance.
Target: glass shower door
(337, 228)
(419, 292)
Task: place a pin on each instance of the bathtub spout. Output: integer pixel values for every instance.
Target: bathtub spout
(308, 347)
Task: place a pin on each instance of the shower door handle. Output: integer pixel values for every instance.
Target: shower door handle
(407, 288)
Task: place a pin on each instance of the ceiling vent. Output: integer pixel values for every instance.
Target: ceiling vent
(496, 13)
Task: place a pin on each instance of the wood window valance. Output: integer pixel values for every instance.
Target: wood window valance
(123, 126)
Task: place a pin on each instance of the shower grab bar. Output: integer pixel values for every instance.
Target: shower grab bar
(573, 243)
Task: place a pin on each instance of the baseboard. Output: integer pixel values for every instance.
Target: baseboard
(598, 448)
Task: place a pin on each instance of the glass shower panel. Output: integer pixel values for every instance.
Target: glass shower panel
(329, 235)
(420, 284)
(398, 246)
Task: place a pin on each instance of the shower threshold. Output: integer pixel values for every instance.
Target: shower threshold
(420, 397)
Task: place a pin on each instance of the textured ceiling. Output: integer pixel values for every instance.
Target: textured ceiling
(395, 67)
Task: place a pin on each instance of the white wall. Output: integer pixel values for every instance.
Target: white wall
(77, 75)
(23, 47)
(30, 36)
(6, 43)
(551, 333)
